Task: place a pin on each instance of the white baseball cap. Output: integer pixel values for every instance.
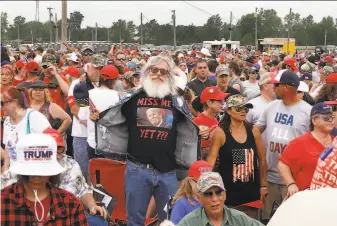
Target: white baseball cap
(303, 87)
(73, 57)
(36, 156)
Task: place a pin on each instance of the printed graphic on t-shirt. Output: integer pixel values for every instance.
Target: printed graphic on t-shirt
(243, 165)
(154, 117)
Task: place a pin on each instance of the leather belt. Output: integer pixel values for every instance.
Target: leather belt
(147, 166)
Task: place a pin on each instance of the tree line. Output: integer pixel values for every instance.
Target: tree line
(305, 30)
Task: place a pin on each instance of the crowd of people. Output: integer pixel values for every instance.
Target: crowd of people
(208, 138)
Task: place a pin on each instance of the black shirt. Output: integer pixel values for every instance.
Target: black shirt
(198, 106)
(198, 86)
(152, 125)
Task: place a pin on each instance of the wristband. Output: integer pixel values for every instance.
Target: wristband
(291, 184)
(71, 101)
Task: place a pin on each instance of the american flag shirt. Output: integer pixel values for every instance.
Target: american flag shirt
(243, 165)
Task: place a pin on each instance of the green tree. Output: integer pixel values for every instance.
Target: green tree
(4, 24)
(74, 23)
(213, 27)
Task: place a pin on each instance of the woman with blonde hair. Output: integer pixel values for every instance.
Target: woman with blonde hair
(40, 100)
(185, 200)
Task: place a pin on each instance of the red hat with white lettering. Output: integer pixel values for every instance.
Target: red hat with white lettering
(109, 72)
(212, 93)
(36, 155)
(198, 168)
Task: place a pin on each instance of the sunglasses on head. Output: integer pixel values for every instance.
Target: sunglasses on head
(209, 194)
(161, 70)
(242, 108)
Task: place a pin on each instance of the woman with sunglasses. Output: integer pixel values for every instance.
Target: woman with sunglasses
(20, 119)
(40, 100)
(242, 157)
(251, 86)
(299, 159)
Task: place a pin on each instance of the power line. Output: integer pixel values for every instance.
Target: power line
(145, 17)
(202, 10)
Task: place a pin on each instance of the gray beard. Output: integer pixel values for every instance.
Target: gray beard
(157, 91)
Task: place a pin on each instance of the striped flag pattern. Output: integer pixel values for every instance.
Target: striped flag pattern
(243, 165)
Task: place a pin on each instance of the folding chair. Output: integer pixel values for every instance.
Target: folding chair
(258, 205)
(111, 175)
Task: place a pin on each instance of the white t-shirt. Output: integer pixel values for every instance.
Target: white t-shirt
(251, 90)
(38, 59)
(78, 129)
(254, 114)
(282, 124)
(102, 98)
(14, 132)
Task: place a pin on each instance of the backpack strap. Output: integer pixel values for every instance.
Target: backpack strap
(28, 123)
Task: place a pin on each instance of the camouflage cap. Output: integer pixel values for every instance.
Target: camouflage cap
(98, 60)
(48, 60)
(208, 180)
(222, 70)
(237, 100)
(128, 76)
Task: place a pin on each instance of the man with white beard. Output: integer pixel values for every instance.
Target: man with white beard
(152, 153)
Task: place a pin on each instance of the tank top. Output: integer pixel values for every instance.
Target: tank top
(239, 170)
(44, 109)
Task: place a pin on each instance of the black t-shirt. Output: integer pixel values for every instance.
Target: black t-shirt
(198, 86)
(198, 106)
(152, 125)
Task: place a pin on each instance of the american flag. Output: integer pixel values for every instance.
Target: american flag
(243, 165)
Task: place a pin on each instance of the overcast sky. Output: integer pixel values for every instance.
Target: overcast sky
(105, 12)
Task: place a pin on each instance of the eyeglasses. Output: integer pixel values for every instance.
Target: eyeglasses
(161, 70)
(327, 118)
(120, 59)
(242, 79)
(202, 68)
(5, 102)
(87, 54)
(209, 194)
(243, 108)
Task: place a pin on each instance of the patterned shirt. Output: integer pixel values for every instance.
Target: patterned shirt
(65, 208)
(72, 179)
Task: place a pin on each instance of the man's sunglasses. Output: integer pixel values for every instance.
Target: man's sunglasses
(45, 66)
(87, 54)
(209, 194)
(5, 102)
(242, 79)
(120, 59)
(202, 68)
(243, 108)
(161, 70)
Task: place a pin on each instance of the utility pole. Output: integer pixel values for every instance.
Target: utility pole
(18, 35)
(174, 29)
(256, 43)
(57, 29)
(96, 32)
(50, 26)
(108, 35)
(92, 34)
(31, 32)
(289, 30)
(141, 28)
(64, 26)
(325, 36)
(230, 26)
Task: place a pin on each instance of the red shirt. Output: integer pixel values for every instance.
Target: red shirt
(46, 206)
(17, 82)
(57, 95)
(65, 208)
(301, 156)
(203, 120)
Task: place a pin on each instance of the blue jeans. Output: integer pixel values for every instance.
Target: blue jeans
(140, 185)
(81, 154)
(94, 220)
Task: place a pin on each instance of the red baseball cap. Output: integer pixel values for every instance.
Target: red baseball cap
(291, 62)
(198, 168)
(72, 71)
(329, 59)
(109, 72)
(333, 102)
(332, 78)
(56, 135)
(32, 66)
(212, 93)
(20, 64)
